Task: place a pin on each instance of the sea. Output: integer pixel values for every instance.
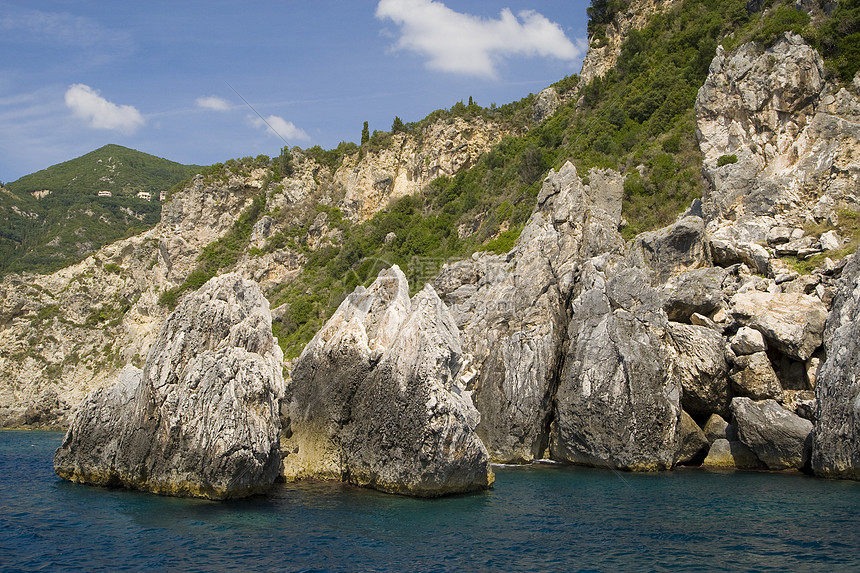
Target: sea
(537, 518)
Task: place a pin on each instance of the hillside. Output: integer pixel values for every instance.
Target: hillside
(53, 217)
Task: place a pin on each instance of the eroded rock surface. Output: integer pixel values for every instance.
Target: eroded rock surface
(373, 399)
(617, 403)
(779, 438)
(201, 418)
(836, 449)
(512, 309)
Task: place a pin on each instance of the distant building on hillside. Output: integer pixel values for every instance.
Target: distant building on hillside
(162, 196)
(105, 194)
(144, 195)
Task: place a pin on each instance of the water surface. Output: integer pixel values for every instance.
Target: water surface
(536, 519)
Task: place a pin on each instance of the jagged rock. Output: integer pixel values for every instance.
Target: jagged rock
(546, 103)
(731, 454)
(836, 449)
(674, 249)
(373, 399)
(692, 444)
(780, 439)
(701, 368)
(727, 253)
(792, 323)
(830, 241)
(201, 418)
(617, 404)
(696, 291)
(748, 341)
(512, 308)
(753, 376)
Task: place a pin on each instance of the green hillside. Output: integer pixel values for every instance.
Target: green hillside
(53, 218)
(638, 119)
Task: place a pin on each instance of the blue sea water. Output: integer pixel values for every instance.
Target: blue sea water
(536, 519)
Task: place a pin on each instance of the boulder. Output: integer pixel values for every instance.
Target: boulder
(747, 341)
(753, 376)
(374, 401)
(617, 403)
(696, 291)
(731, 454)
(836, 449)
(728, 253)
(700, 365)
(672, 250)
(692, 445)
(791, 323)
(201, 418)
(780, 439)
(717, 428)
(830, 241)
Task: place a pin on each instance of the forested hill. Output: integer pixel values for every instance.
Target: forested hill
(54, 217)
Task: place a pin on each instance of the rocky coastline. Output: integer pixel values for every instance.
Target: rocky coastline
(696, 344)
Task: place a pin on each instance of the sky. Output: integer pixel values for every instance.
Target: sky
(200, 82)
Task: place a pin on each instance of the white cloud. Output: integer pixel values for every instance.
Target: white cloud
(213, 103)
(277, 125)
(86, 103)
(469, 45)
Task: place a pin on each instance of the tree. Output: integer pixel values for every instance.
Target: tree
(365, 134)
(285, 162)
(397, 126)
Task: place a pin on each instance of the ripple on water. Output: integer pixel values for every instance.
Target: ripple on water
(540, 518)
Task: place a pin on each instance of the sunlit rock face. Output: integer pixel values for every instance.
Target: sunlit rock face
(201, 418)
(374, 398)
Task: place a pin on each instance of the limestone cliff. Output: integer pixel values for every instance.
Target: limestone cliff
(65, 334)
(603, 52)
(410, 162)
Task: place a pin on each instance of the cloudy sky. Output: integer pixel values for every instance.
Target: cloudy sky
(172, 78)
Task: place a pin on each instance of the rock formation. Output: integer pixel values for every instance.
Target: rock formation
(779, 438)
(836, 446)
(512, 309)
(201, 418)
(374, 398)
(618, 404)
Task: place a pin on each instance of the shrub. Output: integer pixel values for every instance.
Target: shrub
(727, 160)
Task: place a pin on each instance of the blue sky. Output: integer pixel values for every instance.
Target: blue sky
(156, 75)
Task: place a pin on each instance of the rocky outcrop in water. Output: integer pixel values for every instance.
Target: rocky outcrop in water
(201, 418)
(836, 447)
(512, 309)
(374, 398)
(618, 403)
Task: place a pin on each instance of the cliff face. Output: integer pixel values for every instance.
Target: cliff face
(410, 162)
(67, 333)
(602, 54)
